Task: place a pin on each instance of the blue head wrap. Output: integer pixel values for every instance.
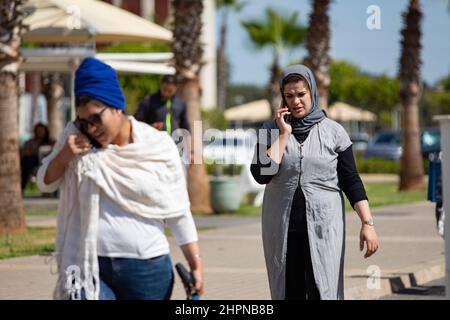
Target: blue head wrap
(99, 81)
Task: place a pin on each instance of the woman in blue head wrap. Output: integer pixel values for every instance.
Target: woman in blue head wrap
(120, 181)
(306, 160)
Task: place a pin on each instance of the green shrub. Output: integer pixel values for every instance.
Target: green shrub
(214, 119)
(376, 165)
(217, 169)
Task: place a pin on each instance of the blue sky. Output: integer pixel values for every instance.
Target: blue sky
(374, 51)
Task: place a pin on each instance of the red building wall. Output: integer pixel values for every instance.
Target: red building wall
(133, 6)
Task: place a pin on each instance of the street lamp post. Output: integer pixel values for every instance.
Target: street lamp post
(444, 122)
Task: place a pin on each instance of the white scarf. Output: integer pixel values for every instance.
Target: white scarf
(144, 178)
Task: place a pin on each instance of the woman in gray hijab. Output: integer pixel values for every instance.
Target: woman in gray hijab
(306, 160)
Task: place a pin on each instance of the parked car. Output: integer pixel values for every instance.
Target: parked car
(233, 146)
(386, 144)
(360, 142)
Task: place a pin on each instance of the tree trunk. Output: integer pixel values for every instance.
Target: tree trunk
(318, 45)
(188, 54)
(411, 172)
(35, 92)
(222, 66)
(11, 205)
(54, 92)
(199, 187)
(273, 91)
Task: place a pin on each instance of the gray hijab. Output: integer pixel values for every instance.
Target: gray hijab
(301, 127)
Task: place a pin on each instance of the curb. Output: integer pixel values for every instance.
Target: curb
(394, 282)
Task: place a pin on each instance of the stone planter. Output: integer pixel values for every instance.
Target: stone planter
(225, 195)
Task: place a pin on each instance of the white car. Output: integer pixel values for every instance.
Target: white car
(232, 146)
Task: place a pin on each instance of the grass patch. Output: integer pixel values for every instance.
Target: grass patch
(385, 194)
(247, 210)
(31, 190)
(36, 240)
(40, 212)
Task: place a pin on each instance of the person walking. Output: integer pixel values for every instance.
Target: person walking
(306, 161)
(116, 197)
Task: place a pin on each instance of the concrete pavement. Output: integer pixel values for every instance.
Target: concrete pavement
(411, 253)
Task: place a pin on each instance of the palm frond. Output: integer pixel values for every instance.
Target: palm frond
(276, 30)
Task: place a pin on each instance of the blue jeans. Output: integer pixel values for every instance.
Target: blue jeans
(136, 279)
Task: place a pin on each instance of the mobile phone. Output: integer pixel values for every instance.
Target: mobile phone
(288, 118)
(94, 142)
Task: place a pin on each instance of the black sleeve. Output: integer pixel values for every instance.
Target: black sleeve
(183, 118)
(141, 113)
(349, 179)
(263, 168)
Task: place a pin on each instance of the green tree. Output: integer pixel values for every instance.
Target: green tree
(225, 6)
(435, 103)
(278, 33)
(445, 83)
(350, 85)
(11, 204)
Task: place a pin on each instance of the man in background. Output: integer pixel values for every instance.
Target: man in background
(164, 110)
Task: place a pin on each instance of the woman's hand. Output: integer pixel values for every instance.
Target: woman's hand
(192, 255)
(285, 128)
(76, 145)
(198, 278)
(369, 236)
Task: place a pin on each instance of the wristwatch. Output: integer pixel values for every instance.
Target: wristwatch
(369, 222)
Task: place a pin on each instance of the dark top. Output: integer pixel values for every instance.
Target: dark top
(349, 179)
(153, 109)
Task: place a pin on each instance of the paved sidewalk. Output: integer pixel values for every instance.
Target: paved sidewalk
(232, 253)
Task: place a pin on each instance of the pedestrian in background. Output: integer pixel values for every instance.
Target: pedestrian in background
(166, 111)
(29, 153)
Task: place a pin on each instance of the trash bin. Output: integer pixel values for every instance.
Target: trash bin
(434, 180)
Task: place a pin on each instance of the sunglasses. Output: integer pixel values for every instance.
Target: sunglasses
(93, 120)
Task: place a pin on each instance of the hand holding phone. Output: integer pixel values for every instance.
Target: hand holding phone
(94, 143)
(283, 119)
(76, 145)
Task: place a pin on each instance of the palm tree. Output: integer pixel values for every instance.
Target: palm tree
(411, 173)
(54, 93)
(11, 204)
(222, 73)
(188, 51)
(278, 33)
(318, 45)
